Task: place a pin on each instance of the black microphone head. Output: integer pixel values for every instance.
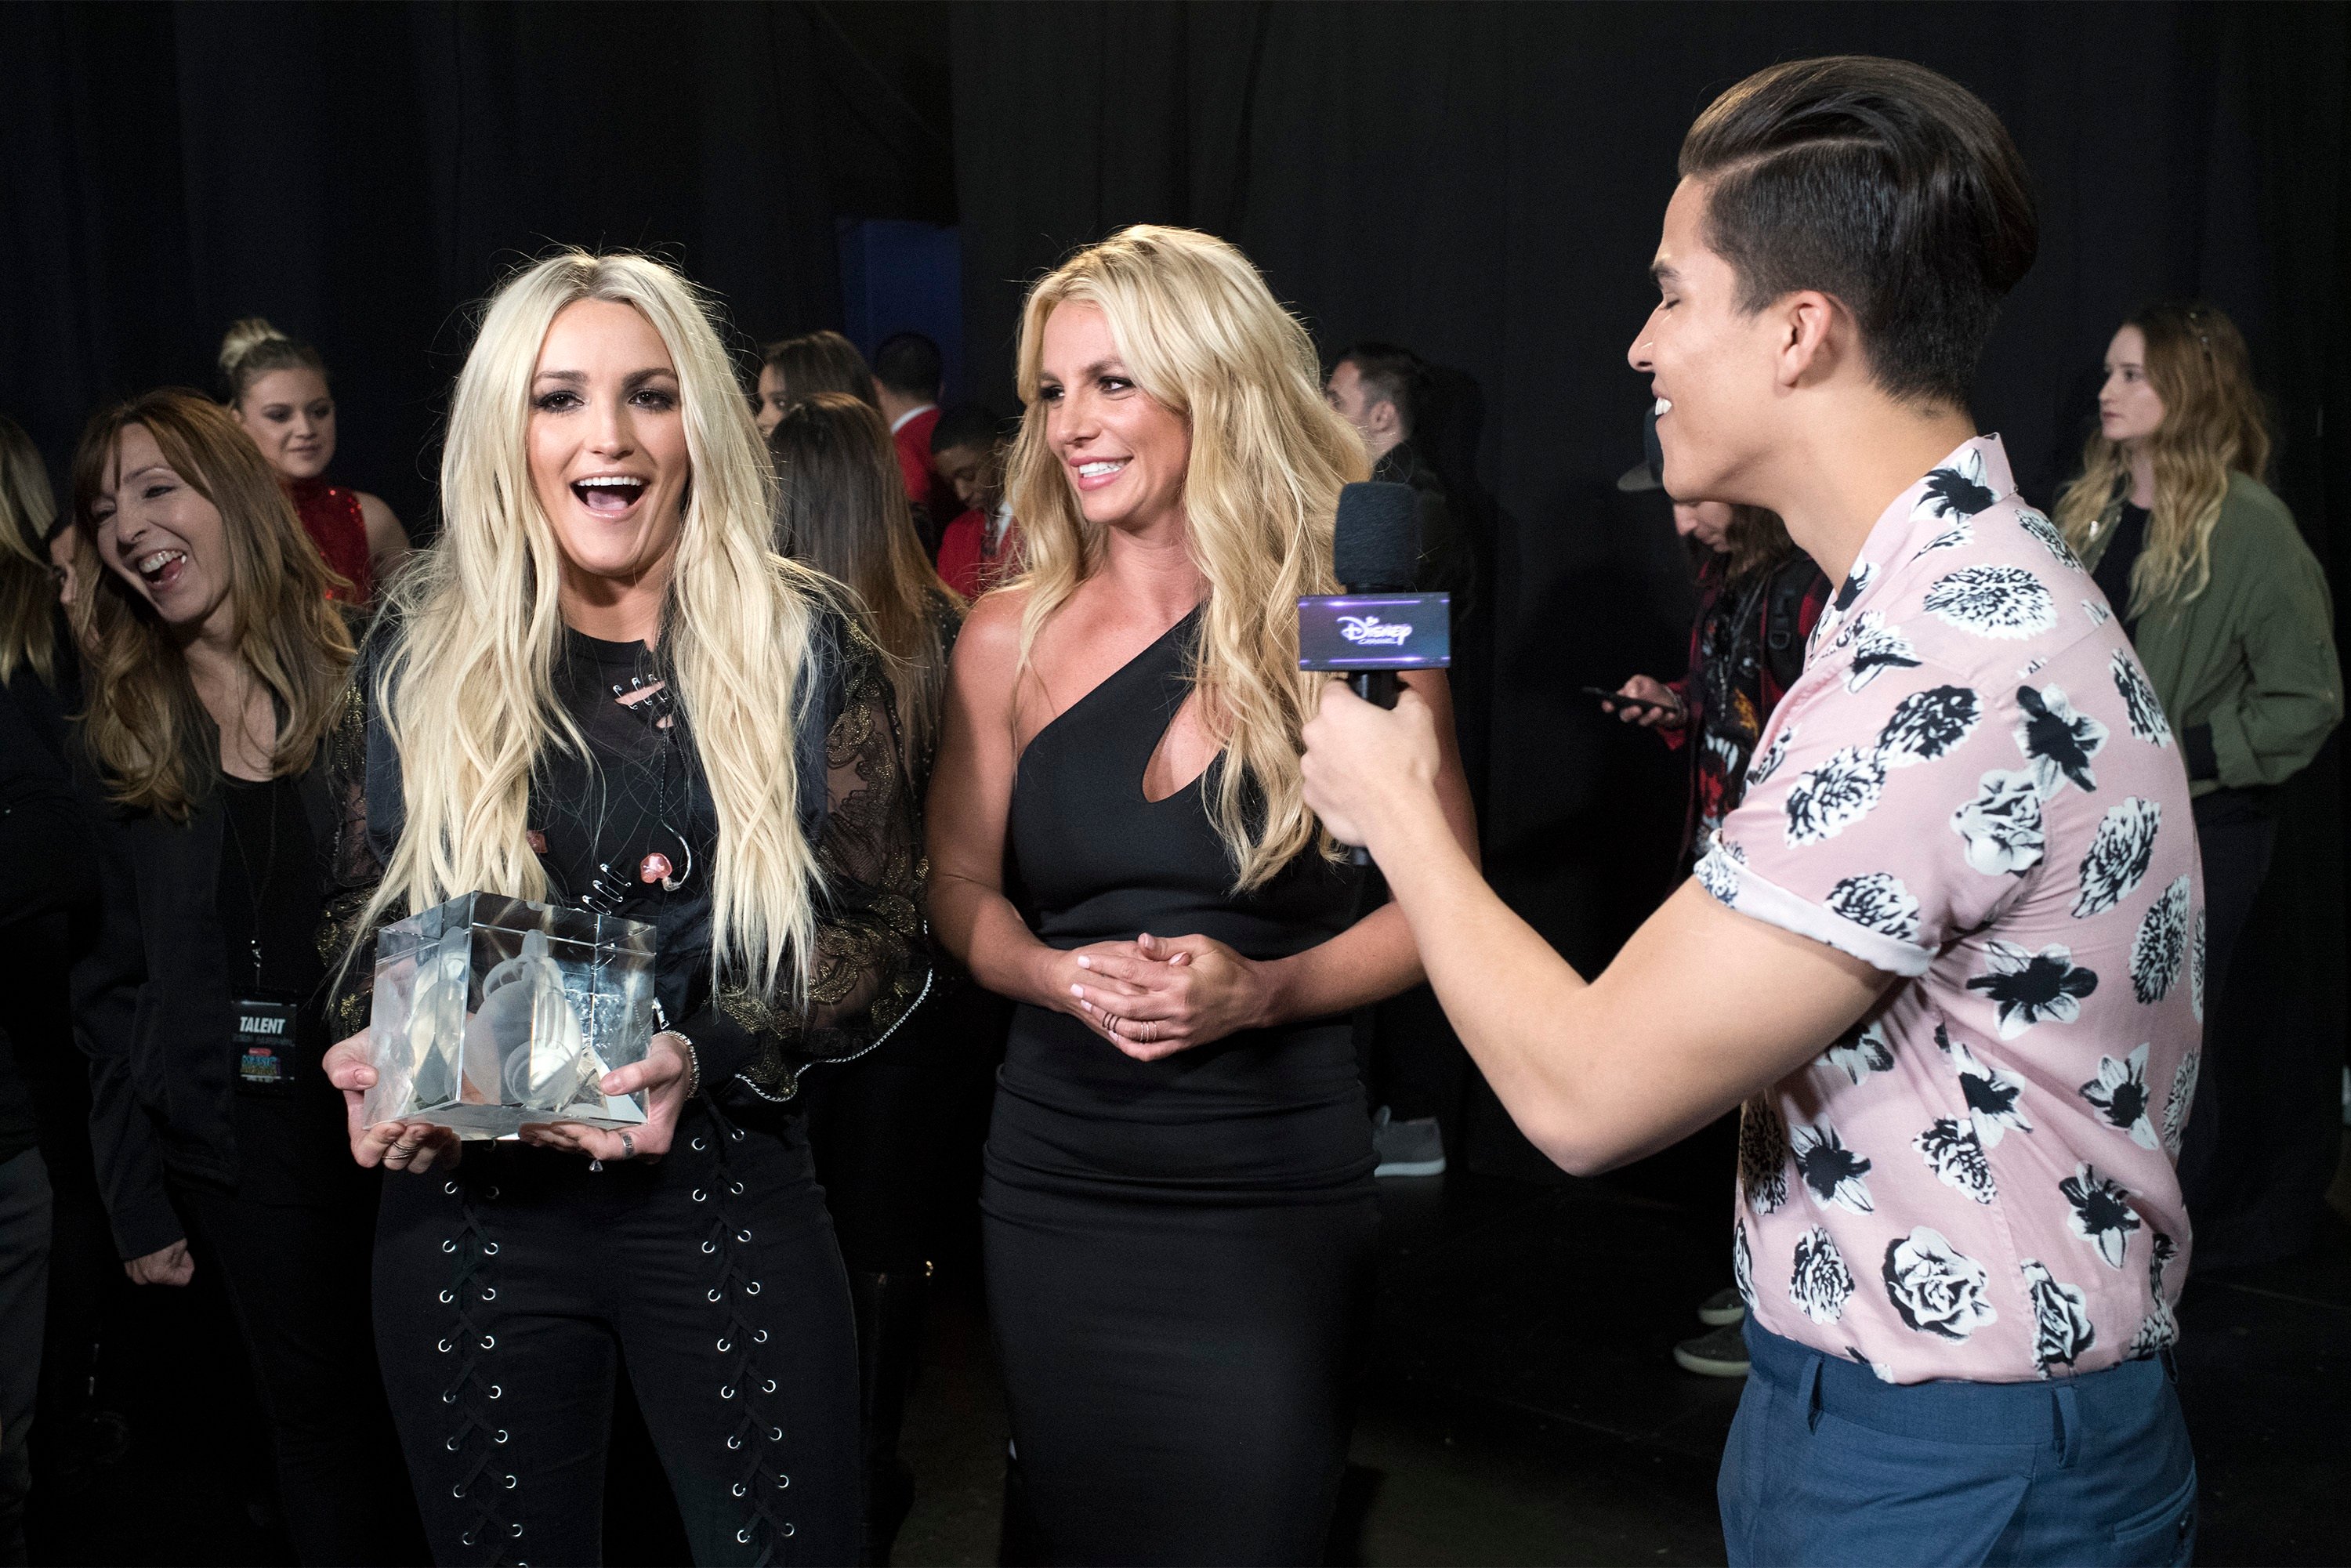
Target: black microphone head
(1375, 545)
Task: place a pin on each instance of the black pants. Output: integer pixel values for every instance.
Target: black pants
(511, 1292)
(2223, 1136)
(876, 1127)
(24, 1307)
(297, 1280)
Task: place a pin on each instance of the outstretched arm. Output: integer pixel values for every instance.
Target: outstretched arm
(1702, 1007)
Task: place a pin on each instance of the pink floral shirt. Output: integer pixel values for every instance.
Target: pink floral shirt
(1973, 787)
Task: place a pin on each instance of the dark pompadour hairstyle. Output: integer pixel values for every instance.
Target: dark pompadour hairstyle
(1392, 374)
(909, 363)
(1880, 182)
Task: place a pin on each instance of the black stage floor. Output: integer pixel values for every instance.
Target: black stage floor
(1522, 1405)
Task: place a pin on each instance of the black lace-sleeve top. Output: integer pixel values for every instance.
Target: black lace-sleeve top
(629, 828)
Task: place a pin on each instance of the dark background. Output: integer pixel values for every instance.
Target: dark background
(1483, 183)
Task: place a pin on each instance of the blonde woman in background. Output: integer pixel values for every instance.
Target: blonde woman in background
(1179, 1213)
(276, 387)
(602, 687)
(2229, 612)
(211, 667)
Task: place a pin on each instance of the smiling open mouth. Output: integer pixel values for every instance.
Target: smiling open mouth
(161, 569)
(609, 494)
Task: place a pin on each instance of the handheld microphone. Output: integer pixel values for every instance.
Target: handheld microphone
(1379, 625)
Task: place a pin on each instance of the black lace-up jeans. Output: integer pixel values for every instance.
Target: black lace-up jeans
(509, 1291)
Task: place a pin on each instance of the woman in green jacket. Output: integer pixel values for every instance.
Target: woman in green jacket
(2229, 613)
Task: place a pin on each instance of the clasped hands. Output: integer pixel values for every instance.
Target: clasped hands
(418, 1146)
(1155, 996)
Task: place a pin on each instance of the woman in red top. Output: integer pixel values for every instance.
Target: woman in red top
(277, 389)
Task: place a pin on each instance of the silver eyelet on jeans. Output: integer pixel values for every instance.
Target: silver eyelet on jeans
(774, 1434)
(735, 1188)
(457, 1491)
(510, 1483)
(450, 1188)
(489, 1341)
(741, 1235)
(503, 1435)
(447, 1345)
(448, 1296)
(725, 1346)
(768, 1386)
(783, 1480)
(726, 1391)
(712, 1295)
(752, 1289)
(759, 1336)
(736, 1441)
(451, 1445)
(744, 1534)
(708, 1248)
(700, 1195)
(496, 1392)
(489, 1249)
(700, 1144)
(489, 1293)
(448, 1246)
(741, 1490)
(787, 1527)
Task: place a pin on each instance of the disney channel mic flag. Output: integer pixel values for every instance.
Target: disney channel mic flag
(492, 1012)
(1345, 632)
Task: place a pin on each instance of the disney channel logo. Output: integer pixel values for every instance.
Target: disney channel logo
(1370, 631)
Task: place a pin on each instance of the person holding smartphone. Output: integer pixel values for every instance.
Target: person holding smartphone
(1758, 597)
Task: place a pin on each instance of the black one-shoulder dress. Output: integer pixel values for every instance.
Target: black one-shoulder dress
(1177, 1251)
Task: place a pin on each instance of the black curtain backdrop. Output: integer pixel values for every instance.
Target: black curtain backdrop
(358, 174)
(1486, 182)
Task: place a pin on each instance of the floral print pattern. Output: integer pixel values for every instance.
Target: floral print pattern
(2119, 856)
(1986, 805)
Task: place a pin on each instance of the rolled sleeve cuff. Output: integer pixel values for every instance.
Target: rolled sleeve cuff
(1737, 886)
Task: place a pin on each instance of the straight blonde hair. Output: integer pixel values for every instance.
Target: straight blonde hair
(466, 688)
(1202, 334)
(145, 727)
(2213, 426)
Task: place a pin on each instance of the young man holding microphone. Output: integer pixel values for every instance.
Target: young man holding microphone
(1951, 936)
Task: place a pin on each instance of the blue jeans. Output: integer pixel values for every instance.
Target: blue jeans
(1827, 1464)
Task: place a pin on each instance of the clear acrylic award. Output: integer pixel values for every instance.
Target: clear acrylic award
(491, 1012)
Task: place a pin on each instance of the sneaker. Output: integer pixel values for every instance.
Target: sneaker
(1725, 1306)
(1414, 1148)
(1720, 1353)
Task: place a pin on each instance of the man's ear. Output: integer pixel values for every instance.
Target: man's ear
(1384, 418)
(1814, 335)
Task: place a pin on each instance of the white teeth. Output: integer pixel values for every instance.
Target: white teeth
(160, 559)
(611, 481)
(1095, 470)
(1665, 406)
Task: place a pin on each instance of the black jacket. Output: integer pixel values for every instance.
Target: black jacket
(45, 846)
(151, 1007)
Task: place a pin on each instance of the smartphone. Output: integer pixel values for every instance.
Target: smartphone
(1621, 700)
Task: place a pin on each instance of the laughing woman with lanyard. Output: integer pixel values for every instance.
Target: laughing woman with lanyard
(602, 687)
(212, 659)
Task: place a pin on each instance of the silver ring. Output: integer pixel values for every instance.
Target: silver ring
(628, 1147)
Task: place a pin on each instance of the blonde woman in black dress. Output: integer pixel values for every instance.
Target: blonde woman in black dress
(1178, 1202)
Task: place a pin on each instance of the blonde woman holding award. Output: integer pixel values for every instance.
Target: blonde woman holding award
(604, 689)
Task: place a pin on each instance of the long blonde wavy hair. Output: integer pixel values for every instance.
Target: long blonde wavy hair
(2213, 425)
(145, 727)
(466, 688)
(1200, 333)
